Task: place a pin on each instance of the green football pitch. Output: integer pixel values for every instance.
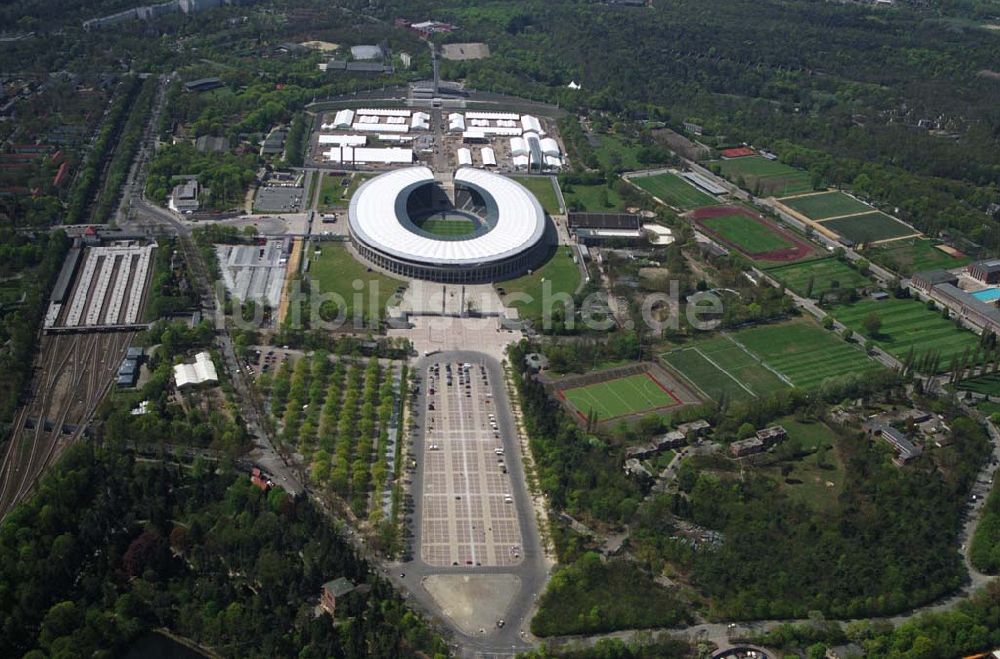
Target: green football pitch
(620, 397)
(745, 232)
(826, 205)
(767, 177)
(674, 191)
(869, 227)
(449, 227)
(826, 274)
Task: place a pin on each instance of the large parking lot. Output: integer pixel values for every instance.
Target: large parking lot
(468, 514)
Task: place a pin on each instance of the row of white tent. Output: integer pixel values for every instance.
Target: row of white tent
(361, 155)
(486, 155)
(521, 146)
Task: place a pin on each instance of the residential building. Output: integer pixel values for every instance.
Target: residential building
(332, 590)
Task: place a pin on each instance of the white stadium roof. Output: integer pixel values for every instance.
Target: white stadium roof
(377, 217)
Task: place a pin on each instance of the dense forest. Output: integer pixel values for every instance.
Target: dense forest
(110, 548)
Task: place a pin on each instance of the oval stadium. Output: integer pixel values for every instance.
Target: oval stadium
(489, 228)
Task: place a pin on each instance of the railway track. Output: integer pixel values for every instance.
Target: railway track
(75, 374)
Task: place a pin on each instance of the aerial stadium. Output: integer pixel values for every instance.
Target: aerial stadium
(405, 223)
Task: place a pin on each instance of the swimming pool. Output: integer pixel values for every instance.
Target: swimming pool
(987, 294)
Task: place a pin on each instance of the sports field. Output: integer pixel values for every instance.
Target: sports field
(824, 274)
(914, 255)
(542, 188)
(448, 228)
(869, 227)
(909, 324)
(755, 362)
(984, 384)
(674, 191)
(767, 177)
(826, 205)
(621, 397)
(749, 235)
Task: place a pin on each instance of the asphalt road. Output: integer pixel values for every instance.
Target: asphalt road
(531, 570)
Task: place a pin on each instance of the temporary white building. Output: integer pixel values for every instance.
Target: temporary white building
(553, 162)
(456, 123)
(488, 156)
(464, 157)
(420, 121)
(531, 124)
(343, 119)
(382, 128)
(520, 162)
(518, 147)
(200, 372)
(550, 147)
(343, 140)
(362, 155)
(492, 115)
(384, 112)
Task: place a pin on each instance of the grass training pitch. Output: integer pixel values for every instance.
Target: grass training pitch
(754, 362)
(621, 397)
(674, 191)
(766, 177)
(869, 227)
(824, 274)
(825, 205)
(909, 324)
(988, 384)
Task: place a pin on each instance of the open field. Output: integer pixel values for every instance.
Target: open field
(751, 234)
(451, 227)
(909, 324)
(333, 194)
(591, 197)
(757, 361)
(768, 177)
(674, 190)
(633, 394)
(542, 188)
(334, 270)
(824, 274)
(868, 227)
(617, 154)
(914, 255)
(559, 272)
(826, 205)
(809, 482)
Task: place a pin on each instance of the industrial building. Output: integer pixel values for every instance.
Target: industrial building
(254, 272)
(508, 242)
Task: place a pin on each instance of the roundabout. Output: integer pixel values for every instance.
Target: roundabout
(405, 223)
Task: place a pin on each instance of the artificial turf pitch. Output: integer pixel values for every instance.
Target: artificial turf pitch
(826, 205)
(674, 191)
(620, 397)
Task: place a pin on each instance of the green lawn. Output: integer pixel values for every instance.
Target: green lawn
(824, 273)
(332, 194)
(869, 227)
(909, 324)
(914, 255)
(759, 360)
(826, 204)
(449, 228)
(542, 188)
(591, 197)
(768, 177)
(618, 154)
(558, 275)
(333, 270)
(748, 234)
(620, 397)
(674, 191)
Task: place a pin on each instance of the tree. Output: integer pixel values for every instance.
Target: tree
(872, 323)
